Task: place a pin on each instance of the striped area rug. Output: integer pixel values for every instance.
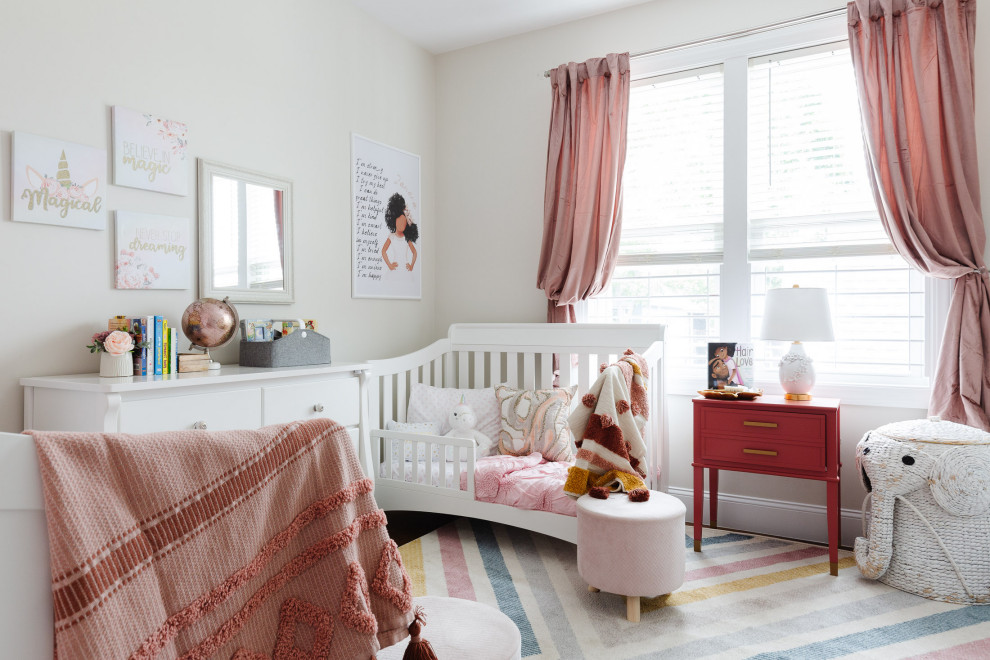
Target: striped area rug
(744, 596)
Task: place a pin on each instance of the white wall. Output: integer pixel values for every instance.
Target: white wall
(274, 87)
(493, 104)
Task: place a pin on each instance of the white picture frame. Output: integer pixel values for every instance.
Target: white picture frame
(152, 251)
(383, 177)
(55, 182)
(149, 152)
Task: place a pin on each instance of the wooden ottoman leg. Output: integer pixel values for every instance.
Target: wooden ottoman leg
(593, 590)
(632, 608)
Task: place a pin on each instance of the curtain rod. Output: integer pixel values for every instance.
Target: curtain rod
(733, 35)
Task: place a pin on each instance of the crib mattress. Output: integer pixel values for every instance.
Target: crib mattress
(522, 482)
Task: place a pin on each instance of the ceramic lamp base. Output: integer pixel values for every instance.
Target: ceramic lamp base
(116, 366)
(797, 375)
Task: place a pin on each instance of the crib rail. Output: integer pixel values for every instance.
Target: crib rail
(390, 448)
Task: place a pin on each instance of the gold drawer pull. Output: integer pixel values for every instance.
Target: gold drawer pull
(766, 425)
(761, 452)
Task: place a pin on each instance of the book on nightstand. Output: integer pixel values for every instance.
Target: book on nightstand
(729, 364)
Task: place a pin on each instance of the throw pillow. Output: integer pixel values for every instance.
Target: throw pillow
(433, 404)
(425, 428)
(535, 421)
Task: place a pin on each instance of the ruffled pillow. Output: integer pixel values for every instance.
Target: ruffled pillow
(535, 421)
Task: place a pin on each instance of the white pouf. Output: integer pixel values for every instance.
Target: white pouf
(458, 628)
(634, 549)
(929, 523)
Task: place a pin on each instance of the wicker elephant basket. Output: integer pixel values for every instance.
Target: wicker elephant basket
(927, 530)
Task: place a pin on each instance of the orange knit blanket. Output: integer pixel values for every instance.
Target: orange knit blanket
(243, 545)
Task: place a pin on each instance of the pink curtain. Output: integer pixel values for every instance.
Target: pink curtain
(582, 205)
(914, 70)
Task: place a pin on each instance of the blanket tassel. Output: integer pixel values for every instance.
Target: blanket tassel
(418, 649)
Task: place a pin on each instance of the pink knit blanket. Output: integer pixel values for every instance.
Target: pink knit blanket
(240, 545)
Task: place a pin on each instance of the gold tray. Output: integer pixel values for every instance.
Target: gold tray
(726, 395)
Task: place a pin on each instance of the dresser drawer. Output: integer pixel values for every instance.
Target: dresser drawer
(753, 452)
(766, 425)
(214, 411)
(339, 399)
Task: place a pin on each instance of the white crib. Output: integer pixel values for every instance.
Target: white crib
(479, 355)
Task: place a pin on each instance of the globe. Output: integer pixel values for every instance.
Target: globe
(210, 323)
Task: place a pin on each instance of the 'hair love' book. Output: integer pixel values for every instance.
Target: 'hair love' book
(729, 363)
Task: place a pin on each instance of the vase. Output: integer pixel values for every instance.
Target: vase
(115, 366)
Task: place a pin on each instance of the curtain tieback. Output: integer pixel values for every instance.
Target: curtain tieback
(982, 270)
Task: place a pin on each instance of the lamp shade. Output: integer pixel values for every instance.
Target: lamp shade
(797, 314)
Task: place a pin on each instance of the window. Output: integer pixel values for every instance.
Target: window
(747, 174)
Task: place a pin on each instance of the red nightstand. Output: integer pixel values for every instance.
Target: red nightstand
(767, 436)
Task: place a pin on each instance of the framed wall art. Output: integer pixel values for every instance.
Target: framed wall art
(149, 152)
(153, 251)
(386, 250)
(54, 182)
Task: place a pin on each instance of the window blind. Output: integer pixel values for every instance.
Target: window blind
(808, 195)
(672, 182)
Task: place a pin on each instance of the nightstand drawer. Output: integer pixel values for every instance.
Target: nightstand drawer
(769, 425)
(805, 457)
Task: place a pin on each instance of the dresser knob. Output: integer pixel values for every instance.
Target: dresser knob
(318, 407)
(200, 425)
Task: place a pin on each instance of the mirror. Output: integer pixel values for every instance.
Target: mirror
(245, 235)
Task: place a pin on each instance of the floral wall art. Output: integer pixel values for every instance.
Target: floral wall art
(58, 183)
(149, 152)
(153, 251)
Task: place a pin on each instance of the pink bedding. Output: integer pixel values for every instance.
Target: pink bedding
(524, 482)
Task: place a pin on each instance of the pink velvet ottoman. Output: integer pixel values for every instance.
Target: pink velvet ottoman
(633, 549)
(458, 628)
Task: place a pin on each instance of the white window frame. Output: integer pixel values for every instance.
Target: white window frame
(734, 56)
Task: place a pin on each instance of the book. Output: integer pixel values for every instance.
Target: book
(173, 353)
(284, 328)
(139, 354)
(311, 324)
(159, 336)
(187, 362)
(166, 347)
(729, 363)
(149, 326)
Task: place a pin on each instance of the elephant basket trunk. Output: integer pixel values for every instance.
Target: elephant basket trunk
(928, 532)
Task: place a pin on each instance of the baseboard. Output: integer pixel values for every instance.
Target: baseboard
(806, 522)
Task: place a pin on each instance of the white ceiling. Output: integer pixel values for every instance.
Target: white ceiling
(444, 25)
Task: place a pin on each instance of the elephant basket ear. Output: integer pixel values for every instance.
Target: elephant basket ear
(960, 481)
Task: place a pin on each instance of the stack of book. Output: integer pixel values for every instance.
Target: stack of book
(160, 356)
(193, 362)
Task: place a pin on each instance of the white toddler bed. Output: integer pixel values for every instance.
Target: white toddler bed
(483, 355)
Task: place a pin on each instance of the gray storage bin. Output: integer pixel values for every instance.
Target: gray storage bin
(301, 348)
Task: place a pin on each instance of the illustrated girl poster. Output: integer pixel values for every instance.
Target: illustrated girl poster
(386, 251)
(149, 152)
(58, 183)
(153, 252)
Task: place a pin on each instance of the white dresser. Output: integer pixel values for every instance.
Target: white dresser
(232, 397)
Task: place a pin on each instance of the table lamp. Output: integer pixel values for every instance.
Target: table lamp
(796, 315)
